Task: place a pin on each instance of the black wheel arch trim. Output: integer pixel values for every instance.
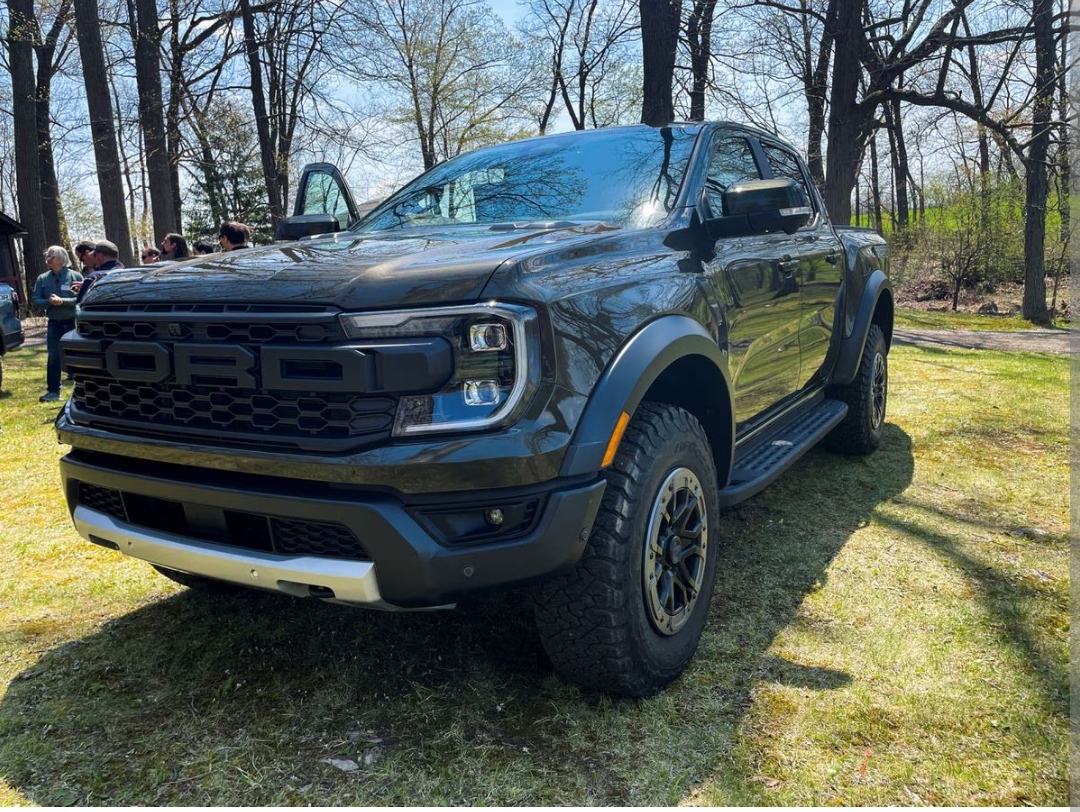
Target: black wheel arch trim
(877, 298)
(628, 377)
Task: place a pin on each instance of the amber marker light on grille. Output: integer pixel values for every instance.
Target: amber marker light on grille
(616, 437)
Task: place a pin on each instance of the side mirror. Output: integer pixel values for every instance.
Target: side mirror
(768, 205)
(306, 225)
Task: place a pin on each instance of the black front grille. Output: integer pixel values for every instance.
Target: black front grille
(234, 528)
(339, 415)
(300, 417)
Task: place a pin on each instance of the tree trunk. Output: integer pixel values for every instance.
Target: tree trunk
(27, 166)
(147, 41)
(849, 122)
(903, 169)
(659, 41)
(1034, 305)
(699, 34)
(262, 122)
(816, 93)
(875, 185)
(51, 204)
(102, 130)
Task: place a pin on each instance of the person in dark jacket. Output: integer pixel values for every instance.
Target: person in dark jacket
(107, 256)
(54, 293)
(233, 236)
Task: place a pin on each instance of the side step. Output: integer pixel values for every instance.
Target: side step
(765, 458)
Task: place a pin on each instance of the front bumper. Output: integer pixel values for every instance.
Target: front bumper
(229, 527)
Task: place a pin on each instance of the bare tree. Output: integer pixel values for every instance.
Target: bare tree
(106, 156)
(453, 71)
(660, 21)
(143, 21)
(584, 43)
(20, 44)
(1037, 189)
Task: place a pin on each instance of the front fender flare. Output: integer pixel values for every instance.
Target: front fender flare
(628, 377)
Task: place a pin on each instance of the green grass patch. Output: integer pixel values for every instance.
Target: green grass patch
(912, 318)
(890, 630)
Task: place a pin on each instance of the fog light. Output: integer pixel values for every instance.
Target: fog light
(487, 337)
(493, 516)
(481, 393)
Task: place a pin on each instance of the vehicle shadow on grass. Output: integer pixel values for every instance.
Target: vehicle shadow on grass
(205, 700)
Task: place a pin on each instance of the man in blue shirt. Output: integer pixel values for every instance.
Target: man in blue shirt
(53, 293)
(106, 259)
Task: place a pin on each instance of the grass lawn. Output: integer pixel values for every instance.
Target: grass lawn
(891, 630)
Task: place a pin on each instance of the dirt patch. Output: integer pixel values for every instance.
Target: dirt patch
(1052, 341)
(934, 295)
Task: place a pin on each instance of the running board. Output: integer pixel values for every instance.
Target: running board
(763, 460)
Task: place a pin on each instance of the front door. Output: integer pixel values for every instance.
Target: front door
(755, 279)
(322, 190)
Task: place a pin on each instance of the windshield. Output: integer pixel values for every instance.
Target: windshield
(627, 176)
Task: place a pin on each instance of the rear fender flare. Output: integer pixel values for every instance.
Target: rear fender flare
(876, 306)
(628, 377)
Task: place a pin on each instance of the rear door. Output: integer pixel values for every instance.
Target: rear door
(753, 277)
(820, 269)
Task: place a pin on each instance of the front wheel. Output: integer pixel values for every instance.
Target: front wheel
(627, 619)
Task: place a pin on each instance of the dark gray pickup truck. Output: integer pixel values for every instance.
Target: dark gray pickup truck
(545, 364)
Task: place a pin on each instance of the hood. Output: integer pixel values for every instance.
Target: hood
(351, 271)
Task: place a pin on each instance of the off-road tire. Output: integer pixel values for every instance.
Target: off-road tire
(208, 586)
(866, 398)
(601, 624)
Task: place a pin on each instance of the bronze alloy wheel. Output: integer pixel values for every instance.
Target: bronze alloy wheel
(676, 551)
(879, 389)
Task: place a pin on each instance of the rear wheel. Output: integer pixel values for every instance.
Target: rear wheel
(866, 397)
(628, 618)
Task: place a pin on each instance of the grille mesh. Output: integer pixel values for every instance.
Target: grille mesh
(285, 414)
(249, 531)
(106, 500)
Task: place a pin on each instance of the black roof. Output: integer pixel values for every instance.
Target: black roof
(9, 226)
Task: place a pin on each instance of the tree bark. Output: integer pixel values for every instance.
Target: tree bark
(262, 121)
(659, 42)
(1034, 304)
(103, 132)
(24, 107)
(699, 34)
(849, 121)
(147, 41)
(51, 204)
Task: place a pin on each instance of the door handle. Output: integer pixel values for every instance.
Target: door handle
(833, 258)
(788, 266)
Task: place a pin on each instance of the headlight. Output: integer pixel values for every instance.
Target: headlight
(496, 363)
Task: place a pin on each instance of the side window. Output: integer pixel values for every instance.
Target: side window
(732, 160)
(785, 165)
(324, 196)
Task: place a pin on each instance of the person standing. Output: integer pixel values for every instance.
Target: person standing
(150, 254)
(54, 293)
(84, 250)
(174, 246)
(233, 236)
(106, 259)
